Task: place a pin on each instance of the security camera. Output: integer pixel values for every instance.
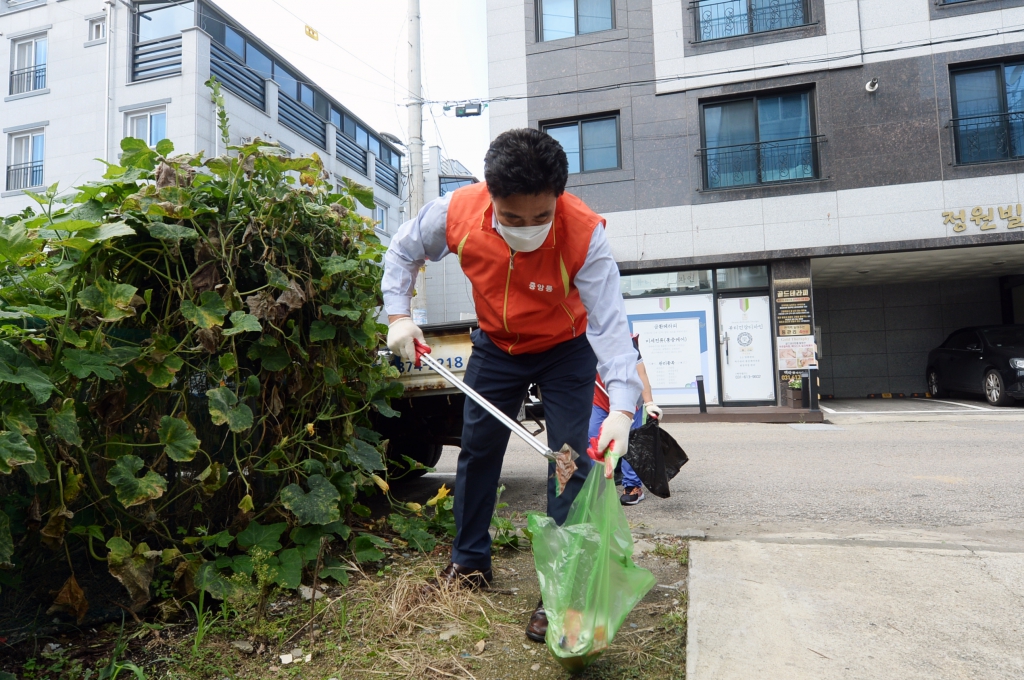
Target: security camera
(872, 85)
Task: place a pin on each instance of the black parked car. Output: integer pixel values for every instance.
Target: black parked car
(986, 360)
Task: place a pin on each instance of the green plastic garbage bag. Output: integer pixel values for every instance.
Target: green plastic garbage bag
(587, 577)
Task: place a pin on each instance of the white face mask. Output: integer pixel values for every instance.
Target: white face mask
(523, 239)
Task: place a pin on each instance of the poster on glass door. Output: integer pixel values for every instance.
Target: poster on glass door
(676, 336)
(746, 349)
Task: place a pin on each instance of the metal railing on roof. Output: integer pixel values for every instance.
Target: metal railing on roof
(156, 58)
(302, 120)
(236, 77)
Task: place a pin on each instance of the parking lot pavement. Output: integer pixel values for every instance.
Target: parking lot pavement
(915, 406)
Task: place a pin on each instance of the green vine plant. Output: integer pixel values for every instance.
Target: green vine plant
(189, 372)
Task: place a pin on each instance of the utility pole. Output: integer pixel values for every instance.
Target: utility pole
(419, 300)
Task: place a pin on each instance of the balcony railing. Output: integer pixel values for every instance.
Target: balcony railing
(387, 177)
(237, 77)
(730, 18)
(301, 119)
(350, 153)
(24, 176)
(989, 138)
(28, 79)
(786, 160)
(156, 58)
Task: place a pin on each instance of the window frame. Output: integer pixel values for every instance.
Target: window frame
(539, 9)
(97, 22)
(1000, 68)
(130, 116)
(565, 122)
(31, 135)
(33, 39)
(694, 5)
(812, 115)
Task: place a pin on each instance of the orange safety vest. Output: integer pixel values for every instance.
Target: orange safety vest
(525, 302)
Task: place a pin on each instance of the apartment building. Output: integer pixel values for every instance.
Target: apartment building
(84, 74)
(785, 179)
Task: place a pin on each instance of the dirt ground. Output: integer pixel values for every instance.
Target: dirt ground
(380, 626)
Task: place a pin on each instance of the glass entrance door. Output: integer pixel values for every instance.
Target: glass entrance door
(745, 349)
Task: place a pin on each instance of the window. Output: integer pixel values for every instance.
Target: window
(306, 95)
(450, 184)
(566, 18)
(28, 61)
(742, 277)
(362, 138)
(25, 160)
(234, 41)
(380, 213)
(988, 113)
(674, 283)
(163, 20)
(757, 141)
(260, 63)
(962, 340)
(149, 126)
(590, 144)
(350, 126)
(375, 146)
(288, 83)
(718, 19)
(97, 29)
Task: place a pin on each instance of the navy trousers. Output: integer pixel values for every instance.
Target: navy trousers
(565, 374)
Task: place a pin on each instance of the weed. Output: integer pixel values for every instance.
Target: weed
(680, 553)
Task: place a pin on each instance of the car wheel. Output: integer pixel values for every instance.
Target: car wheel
(934, 387)
(995, 392)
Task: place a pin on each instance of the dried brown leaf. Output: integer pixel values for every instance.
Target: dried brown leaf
(70, 600)
(209, 338)
(294, 297)
(206, 278)
(52, 535)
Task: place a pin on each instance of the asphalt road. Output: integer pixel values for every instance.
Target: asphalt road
(899, 478)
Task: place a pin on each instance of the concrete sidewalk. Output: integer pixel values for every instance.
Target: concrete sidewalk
(811, 611)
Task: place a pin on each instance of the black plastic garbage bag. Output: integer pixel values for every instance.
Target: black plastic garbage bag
(655, 456)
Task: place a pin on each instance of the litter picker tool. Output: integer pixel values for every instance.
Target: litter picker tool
(564, 459)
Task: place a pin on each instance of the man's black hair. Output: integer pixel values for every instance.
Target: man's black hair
(525, 161)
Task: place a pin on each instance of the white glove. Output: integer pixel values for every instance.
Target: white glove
(401, 334)
(614, 438)
(653, 410)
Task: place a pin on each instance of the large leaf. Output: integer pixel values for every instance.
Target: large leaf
(6, 540)
(208, 578)
(137, 154)
(64, 423)
(82, 363)
(288, 572)
(20, 418)
(366, 548)
(34, 380)
(15, 243)
(271, 354)
(361, 193)
(172, 232)
(366, 457)
(132, 490)
(321, 330)
(133, 568)
(86, 238)
(160, 364)
(319, 506)
(208, 313)
(179, 439)
(242, 323)
(336, 264)
(112, 301)
(14, 451)
(263, 537)
(225, 410)
(352, 314)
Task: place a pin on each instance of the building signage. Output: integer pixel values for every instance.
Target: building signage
(797, 353)
(793, 307)
(745, 334)
(985, 220)
(676, 342)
